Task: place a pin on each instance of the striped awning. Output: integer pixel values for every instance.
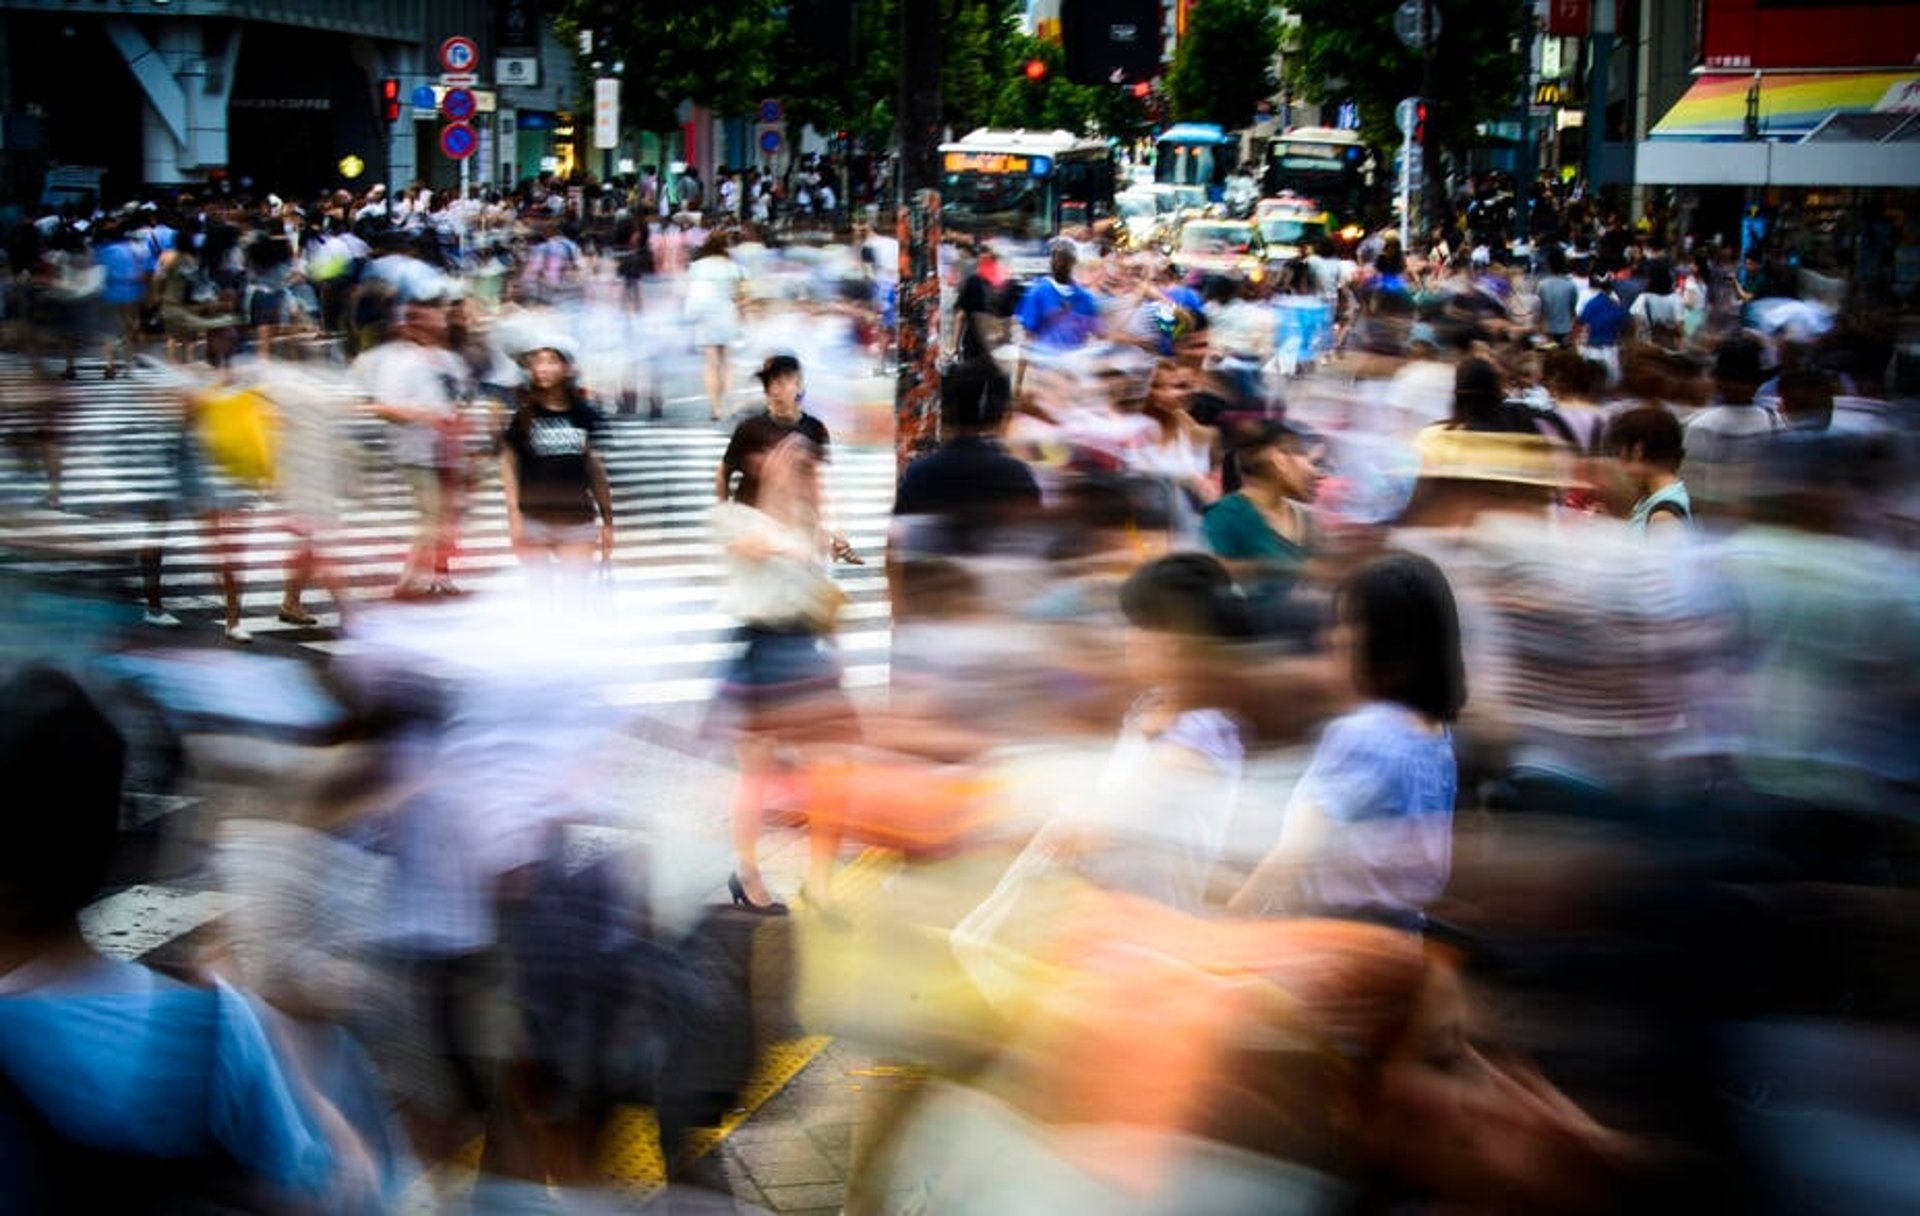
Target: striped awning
(1792, 104)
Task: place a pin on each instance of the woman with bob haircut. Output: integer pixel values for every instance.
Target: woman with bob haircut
(1369, 831)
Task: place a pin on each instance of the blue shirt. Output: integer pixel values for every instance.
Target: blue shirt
(1059, 316)
(1604, 318)
(1385, 788)
(126, 276)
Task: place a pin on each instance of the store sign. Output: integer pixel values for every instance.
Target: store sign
(987, 162)
(1548, 94)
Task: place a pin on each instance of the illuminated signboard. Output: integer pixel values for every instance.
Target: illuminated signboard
(997, 162)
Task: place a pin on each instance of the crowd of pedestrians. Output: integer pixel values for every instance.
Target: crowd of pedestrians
(1428, 731)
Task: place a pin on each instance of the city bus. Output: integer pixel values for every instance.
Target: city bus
(1195, 154)
(1326, 164)
(1024, 184)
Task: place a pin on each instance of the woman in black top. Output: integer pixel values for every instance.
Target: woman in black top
(558, 502)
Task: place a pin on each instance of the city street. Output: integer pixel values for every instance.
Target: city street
(656, 644)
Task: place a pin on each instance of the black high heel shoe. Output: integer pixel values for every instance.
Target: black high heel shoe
(772, 907)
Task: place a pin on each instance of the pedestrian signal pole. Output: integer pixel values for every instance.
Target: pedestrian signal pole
(916, 396)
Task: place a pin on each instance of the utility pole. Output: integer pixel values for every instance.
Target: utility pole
(916, 394)
(1527, 163)
(1600, 41)
(1428, 204)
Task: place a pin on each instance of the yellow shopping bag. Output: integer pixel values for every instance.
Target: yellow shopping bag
(237, 427)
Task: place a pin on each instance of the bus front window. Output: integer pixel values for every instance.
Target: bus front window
(1008, 203)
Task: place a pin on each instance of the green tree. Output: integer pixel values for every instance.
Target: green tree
(1223, 66)
(1347, 51)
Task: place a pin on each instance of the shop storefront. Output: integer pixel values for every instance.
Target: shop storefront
(1820, 168)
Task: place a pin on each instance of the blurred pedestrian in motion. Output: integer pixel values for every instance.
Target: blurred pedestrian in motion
(1368, 833)
(783, 689)
(418, 385)
(1162, 1063)
(1157, 820)
(235, 415)
(559, 506)
(715, 285)
(123, 1088)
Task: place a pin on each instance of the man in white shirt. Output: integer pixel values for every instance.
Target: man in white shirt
(417, 384)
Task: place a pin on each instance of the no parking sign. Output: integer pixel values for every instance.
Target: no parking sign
(457, 140)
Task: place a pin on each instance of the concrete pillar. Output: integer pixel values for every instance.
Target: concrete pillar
(185, 84)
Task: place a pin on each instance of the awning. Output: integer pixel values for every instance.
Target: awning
(1814, 129)
(1792, 104)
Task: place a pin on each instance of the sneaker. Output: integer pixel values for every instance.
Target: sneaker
(238, 633)
(161, 620)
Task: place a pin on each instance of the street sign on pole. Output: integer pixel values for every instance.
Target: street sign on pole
(457, 140)
(606, 113)
(458, 54)
(422, 97)
(458, 105)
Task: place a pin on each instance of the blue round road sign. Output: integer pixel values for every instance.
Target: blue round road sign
(457, 140)
(458, 105)
(769, 141)
(423, 97)
(770, 111)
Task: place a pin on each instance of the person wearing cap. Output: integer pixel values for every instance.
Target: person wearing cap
(558, 501)
(417, 384)
(758, 434)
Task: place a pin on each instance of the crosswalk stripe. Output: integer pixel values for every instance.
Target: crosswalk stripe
(667, 575)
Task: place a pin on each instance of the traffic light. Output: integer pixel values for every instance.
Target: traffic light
(1036, 70)
(1420, 123)
(390, 99)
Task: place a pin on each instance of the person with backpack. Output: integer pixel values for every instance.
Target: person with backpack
(1647, 446)
(1656, 314)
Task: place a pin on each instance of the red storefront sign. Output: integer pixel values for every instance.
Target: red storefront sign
(1743, 34)
(1567, 18)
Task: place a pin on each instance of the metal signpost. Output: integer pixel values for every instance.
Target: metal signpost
(459, 56)
(1404, 115)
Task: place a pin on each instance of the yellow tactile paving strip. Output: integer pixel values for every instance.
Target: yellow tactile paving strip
(630, 1158)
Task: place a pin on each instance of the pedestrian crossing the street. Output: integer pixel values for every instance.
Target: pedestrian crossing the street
(659, 636)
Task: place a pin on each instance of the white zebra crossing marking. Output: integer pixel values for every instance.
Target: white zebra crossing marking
(667, 575)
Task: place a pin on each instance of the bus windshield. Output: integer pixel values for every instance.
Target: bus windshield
(1010, 203)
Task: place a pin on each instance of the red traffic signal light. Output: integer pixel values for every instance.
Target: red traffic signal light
(1036, 69)
(1142, 89)
(390, 99)
(1420, 123)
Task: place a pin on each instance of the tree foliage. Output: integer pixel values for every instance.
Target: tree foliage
(728, 54)
(1347, 51)
(1223, 67)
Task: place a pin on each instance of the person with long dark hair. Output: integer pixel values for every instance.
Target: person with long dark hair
(1369, 832)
